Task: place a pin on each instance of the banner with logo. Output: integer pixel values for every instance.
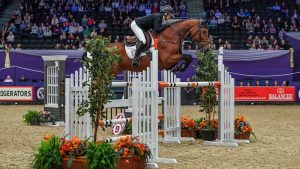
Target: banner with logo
(16, 93)
(264, 93)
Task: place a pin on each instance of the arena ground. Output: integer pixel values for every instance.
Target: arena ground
(276, 127)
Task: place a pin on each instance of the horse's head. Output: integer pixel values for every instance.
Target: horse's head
(199, 34)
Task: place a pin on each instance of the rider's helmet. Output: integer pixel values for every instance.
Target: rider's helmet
(167, 10)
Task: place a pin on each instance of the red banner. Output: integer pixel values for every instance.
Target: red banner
(264, 93)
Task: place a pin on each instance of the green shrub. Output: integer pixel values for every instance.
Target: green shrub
(48, 156)
(32, 117)
(101, 156)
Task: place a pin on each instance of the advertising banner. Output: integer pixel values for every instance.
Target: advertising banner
(16, 93)
(265, 93)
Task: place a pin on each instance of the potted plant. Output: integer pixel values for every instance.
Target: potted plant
(207, 70)
(209, 128)
(101, 156)
(73, 152)
(46, 118)
(242, 129)
(198, 129)
(99, 68)
(32, 117)
(48, 155)
(131, 154)
(59, 153)
(187, 126)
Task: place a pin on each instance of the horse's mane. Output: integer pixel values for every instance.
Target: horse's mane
(175, 21)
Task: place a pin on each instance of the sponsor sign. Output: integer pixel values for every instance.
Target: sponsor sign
(257, 93)
(16, 93)
(40, 93)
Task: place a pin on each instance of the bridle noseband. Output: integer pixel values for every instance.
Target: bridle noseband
(200, 30)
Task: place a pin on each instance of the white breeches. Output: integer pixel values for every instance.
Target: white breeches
(138, 32)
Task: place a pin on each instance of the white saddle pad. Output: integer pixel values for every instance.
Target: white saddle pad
(130, 50)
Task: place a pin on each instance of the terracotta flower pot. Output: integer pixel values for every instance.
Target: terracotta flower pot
(187, 132)
(77, 163)
(130, 163)
(242, 136)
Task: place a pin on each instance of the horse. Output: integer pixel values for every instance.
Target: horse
(169, 47)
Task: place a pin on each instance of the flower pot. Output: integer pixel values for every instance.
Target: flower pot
(77, 163)
(198, 134)
(242, 136)
(130, 163)
(187, 132)
(209, 134)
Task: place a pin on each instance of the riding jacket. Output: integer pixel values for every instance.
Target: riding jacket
(153, 21)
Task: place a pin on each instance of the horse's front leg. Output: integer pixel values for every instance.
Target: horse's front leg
(187, 60)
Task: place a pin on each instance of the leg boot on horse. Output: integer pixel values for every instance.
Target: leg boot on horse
(187, 59)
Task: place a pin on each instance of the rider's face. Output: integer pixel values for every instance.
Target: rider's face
(168, 17)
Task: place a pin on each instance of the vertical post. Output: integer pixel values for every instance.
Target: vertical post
(231, 100)
(177, 96)
(67, 109)
(221, 93)
(154, 101)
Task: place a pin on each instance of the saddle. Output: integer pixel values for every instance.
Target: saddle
(131, 41)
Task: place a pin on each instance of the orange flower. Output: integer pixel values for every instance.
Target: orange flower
(243, 119)
(244, 129)
(203, 124)
(161, 132)
(160, 117)
(101, 123)
(65, 147)
(47, 137)
(185, 122)
(75, 141)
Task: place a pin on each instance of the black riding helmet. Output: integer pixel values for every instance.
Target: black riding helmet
(167, 9)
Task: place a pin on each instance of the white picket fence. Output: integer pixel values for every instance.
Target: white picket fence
(75, 94)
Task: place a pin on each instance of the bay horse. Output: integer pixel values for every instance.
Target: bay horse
(169, 47)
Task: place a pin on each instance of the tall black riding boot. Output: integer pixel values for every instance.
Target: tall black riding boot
(136, 59)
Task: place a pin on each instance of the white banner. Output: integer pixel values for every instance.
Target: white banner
(16, 93)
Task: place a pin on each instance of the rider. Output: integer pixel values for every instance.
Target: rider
(145, 23)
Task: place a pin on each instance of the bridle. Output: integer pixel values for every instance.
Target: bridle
(200, 30)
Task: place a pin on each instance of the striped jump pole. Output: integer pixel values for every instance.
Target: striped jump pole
(121, 84)
(188, 84)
